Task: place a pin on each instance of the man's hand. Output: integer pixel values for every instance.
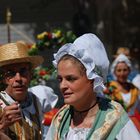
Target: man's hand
(10, 114)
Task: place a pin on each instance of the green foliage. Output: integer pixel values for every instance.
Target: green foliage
(54, 39)
(48, 40)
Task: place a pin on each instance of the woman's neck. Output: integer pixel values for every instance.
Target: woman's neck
(124, 85)
(85, 118)
(86, 109)
(85, 103)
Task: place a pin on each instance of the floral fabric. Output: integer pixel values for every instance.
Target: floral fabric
(110, 119)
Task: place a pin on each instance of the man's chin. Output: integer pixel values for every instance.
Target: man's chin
(20, 99)
(20, 96)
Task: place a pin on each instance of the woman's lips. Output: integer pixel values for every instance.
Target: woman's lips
(66, 95)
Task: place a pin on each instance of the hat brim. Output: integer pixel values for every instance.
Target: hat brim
(34, 60)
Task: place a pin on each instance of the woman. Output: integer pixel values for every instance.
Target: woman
(122, 90)
(82, 68)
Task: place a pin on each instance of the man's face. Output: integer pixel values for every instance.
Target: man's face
(17, 78)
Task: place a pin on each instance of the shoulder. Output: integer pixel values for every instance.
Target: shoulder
(112, 86)
(116, 111)
(109, 105)
(62, 110)
(113, 83)
(61, 113)
(117, 106)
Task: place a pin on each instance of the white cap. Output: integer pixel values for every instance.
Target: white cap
(120, 58)
(90, 51)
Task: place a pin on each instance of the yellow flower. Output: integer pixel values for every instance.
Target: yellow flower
(33, 46)
(58, 34)
(41, 36)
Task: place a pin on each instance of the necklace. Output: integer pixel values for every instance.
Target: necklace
(86, 109)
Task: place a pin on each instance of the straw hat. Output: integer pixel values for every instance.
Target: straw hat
(16, 53)
(123, 50)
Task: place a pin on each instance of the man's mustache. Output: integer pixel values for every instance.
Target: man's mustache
(19, 85)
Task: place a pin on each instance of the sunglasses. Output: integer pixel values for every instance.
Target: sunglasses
(11, 73)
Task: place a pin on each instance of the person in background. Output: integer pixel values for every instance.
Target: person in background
(82, 68)
(21, 112)
(134, 64)
(121, 89)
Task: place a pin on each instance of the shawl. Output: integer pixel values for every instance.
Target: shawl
(115, 94)
(109, 120)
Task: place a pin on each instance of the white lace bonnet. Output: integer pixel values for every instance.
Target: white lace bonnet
(90, 51)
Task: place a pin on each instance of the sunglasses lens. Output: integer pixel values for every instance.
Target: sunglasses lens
(10, 73)
(21, 71)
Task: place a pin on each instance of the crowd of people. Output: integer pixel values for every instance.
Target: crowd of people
(96, 107)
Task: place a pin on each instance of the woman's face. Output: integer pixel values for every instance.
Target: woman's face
(74, 85)
(121, 72)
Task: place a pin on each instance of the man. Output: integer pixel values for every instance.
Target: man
(21, 112)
